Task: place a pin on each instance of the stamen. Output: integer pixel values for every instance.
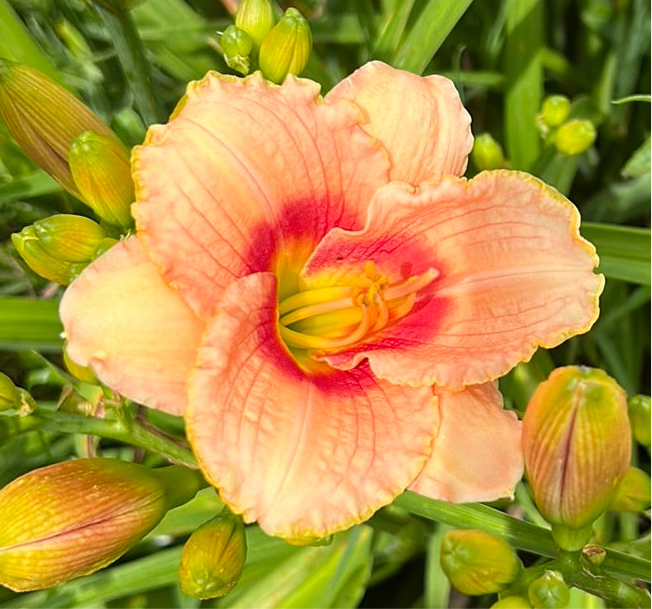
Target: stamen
(315, 309)
(411, 285)
(311, 297)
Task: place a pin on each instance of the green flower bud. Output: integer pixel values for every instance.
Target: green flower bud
(287, 47)
(576, 446)
(478, 563)
(633, 493)
(44, 118)
(213, 557)
(512, 602)
(72, 402)
(593, 554)
(237, 46)
(100, 168)
(9, 394)
(575, 137)
(487, 153)
(549, 591)
(639, 418)
(555, 110)
(82, 373)
(256, 18)
(73, 518)
(70, 238)
(47, 266)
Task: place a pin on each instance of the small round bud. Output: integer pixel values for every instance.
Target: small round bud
(549, 591)
(593, 554)
(576, 446)
(237, 45)
(256, 18)
(70, 238)
(487, 153)
(639, 418)
(213, 557)
(478, 563)
(286, 48)
(633, 493)
(53, 269)
(555, 110)
(102, 173)
(575, 137)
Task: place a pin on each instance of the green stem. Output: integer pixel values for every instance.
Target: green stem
(521, 535)
(123, 430)
(131, 54)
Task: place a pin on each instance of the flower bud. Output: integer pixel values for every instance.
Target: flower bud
(487, 153)
(44, 118)
(512, 602)
(73, 518)
(287, 47)
(549, 591)
(82, 373)
(555, 110)
(639, 418)
(67, 237)
(576, 445)
(9, 394)
(478, 563)
(102, 174)
(633, 493)
(256, 18)
(575, 137)
(593, 555)
(53, 269)
(237, 45)
(213, 557)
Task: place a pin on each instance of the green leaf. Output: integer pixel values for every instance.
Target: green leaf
(30, 324)
(430, 29)
(624, 251)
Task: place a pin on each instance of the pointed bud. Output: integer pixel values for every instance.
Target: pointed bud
(487, 153)
(73, 518)
(9, 394)
(639, 418)
(575, 137)
(549, 591)
(102, 174)
(70, 238)
(633, 492)
(237, 45)
(53, 269)
(82, 373)
(555, 110)
(213, 557)
(287, 47)
(256, 18)
(576, 445)
(512, 602)
(44, 118)
(478, 563)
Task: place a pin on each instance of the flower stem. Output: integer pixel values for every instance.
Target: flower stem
(521, 535)
(131, 54)
(117, 428)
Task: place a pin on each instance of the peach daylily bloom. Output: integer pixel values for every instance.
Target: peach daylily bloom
(325, 301)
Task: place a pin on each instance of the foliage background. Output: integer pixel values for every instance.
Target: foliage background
(505, 56)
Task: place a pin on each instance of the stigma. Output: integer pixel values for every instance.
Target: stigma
(341, 316)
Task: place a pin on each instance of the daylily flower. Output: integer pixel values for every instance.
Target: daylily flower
(325, 301)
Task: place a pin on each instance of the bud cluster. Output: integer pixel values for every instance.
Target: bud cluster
(570, 136)
(278, 49)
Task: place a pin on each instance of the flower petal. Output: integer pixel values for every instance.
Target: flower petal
(136, 333)
(514, 274)
(419, 120)
(246, 169)
(305, 453)
(477, 453)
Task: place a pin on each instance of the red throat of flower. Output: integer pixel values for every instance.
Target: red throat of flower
(340, 316)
